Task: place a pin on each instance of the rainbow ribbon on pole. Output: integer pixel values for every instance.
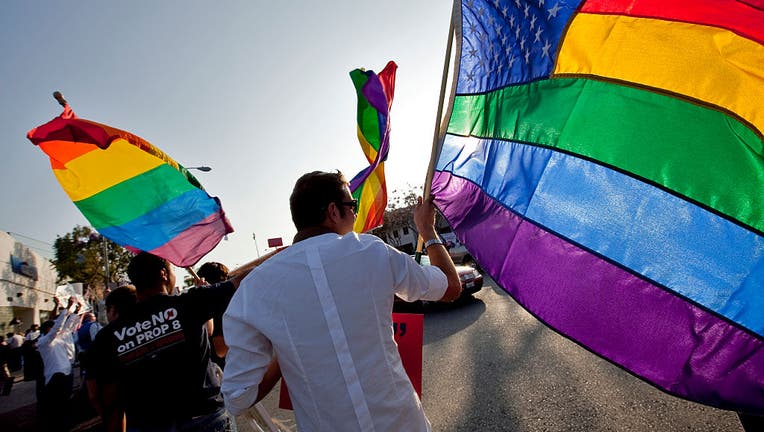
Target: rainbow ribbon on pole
(130, 191)
(604, 162)
(375, 97)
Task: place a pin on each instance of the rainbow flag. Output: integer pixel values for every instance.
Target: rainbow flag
(604, 162)
(375, 97)
(130, 191)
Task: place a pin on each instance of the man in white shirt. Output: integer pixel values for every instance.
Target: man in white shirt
(323, 307)
(34, 333)
(56, 346)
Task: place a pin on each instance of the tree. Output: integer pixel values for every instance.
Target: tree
(400, 214)
(79, 257)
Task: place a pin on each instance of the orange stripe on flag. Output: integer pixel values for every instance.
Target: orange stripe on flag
(62, 152)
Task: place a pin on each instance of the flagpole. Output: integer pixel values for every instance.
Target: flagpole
(60, 98)
(438, 124)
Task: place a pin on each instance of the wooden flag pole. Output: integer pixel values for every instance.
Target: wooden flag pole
(197, 279)
(438, 125)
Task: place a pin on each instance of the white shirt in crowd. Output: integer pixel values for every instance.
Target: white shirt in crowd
(323, 307)
(16, 341)
(57, 346)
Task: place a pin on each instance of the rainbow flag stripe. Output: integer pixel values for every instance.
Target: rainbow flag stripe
(604, 162)
(375, 98)
(130, 191)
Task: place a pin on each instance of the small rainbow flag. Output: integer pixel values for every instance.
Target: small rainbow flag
(130, 191)
(604, 162)
(375, 97)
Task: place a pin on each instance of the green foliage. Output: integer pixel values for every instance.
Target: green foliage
(400, 214)
(79, 257)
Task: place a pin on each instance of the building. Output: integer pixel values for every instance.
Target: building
(27, 286)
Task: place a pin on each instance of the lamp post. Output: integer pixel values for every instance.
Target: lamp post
(200, 168)
(254, 237)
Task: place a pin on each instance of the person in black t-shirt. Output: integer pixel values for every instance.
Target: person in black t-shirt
(152, 364)
(213, 272)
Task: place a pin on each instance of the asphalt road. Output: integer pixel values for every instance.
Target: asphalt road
(491, 366)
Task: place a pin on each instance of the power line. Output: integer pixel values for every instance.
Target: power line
(45, 251)
(30, 238)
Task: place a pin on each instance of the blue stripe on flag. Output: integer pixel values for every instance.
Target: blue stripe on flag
(698, 254)
(172, 218)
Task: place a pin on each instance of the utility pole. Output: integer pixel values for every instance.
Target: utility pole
(254, 237)
(105, 260)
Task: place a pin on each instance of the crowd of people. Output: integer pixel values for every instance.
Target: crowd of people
(317, 314)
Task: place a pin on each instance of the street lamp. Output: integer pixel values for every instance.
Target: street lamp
(200, 168)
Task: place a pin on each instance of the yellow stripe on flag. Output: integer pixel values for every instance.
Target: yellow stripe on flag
(367, 204)
(369, 151)
(99, 170)
(705, 63)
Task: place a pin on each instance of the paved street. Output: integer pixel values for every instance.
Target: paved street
(490, 366)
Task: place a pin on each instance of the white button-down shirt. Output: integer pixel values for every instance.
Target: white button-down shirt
(57, 346)
(323, 307)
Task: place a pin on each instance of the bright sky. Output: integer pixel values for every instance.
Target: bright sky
(257, 90)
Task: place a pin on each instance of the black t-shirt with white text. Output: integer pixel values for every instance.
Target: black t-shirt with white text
(158, 354)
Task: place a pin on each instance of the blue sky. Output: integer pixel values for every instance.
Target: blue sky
(257, 90)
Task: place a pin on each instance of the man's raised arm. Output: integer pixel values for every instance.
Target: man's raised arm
(424, 218)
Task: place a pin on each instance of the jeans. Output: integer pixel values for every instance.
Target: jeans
(218, 421)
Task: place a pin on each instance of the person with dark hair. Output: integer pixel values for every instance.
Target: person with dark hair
(56, 347)
(323, 308)
(119, 300)
(15, 343)
(152, 363)
(6, 380)
(33, 333)
(212, 273)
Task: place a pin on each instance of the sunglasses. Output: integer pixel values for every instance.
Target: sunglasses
(352, 204)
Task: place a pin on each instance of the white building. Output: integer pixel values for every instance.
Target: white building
(27, 286)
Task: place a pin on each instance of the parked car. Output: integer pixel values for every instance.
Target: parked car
(472, 282)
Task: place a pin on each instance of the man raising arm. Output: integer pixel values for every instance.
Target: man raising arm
(323, 307)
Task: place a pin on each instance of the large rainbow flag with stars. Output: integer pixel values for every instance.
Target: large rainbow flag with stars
(604, 162)
(130, 191)
(375, 98)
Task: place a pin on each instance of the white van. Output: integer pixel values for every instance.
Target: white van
(457, 250)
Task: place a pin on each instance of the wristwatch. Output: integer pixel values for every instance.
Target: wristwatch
(431, 242)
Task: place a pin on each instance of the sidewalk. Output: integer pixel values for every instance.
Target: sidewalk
(18, 411)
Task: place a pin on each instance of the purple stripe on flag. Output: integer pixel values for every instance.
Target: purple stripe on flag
(606, 309)
(375, 94)
(188, 247)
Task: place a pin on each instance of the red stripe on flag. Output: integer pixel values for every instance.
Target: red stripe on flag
(744, 19)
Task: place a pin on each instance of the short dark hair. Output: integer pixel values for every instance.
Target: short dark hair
(121, 298)
(213, 272)
(47, 325)
(145, 270)
(311, 196)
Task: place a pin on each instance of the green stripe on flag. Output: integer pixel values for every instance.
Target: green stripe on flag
(700, 153)
(131, 199)
(367, 117)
